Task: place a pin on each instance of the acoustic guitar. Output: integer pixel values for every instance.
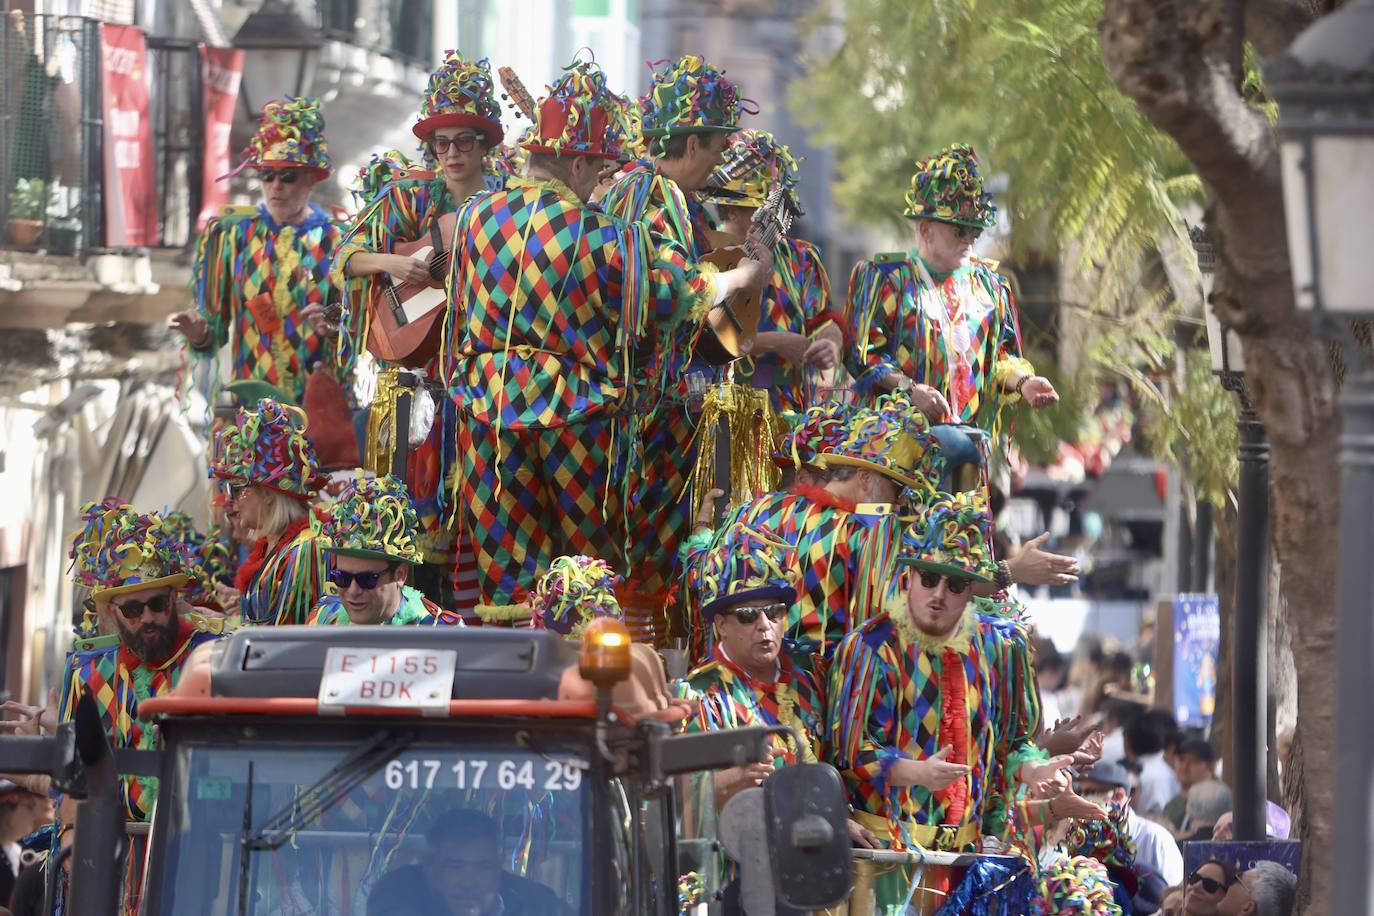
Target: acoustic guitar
(408, 318)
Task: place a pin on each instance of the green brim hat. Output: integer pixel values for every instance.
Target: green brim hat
(372, 519)
(118, 550)
(952, 535)
(690, 97)
(747, 564)
(893, 438)
(948, 187)
(572, 593)
(268, 447)
(773, 166)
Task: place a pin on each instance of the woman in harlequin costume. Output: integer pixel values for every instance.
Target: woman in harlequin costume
(260, 278)
(687, 116)
(371, 539)
(937, 320)
(542, 361)
(800, 335)
(269, 467)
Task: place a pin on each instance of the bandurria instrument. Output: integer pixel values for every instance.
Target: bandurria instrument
(407, 318)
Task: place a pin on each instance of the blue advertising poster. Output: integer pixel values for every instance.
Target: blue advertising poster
(1197, 631)
(1240, 856)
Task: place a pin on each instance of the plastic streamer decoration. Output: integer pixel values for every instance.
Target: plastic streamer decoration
(268, 447)
(691, 96)
(573, 592)
(820, 429)
(952, 534)
(119, 549)
(371, 518)
(581, 116)
(777, 168)
(460, 93)
(1077, 886)
(893, 438)
(948, 187)
(291, 134)
(747, 563)
(754, 426)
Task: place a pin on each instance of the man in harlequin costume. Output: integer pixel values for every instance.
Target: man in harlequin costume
(370, 536)
(799, 335)
(687, 117)
(135, 567)
(937, 320)
(845, 525)
(935, 710)
(260, 278)
(559, 298)
(268, 466)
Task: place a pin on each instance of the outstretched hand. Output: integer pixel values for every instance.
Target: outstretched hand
(1038, 392)
(1033, 566)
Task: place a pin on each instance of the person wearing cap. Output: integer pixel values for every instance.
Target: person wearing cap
(937, 320)
(260, 276)
(267, 465)
(688, 115)
(540, 362)
(1111, 785)
(933, 713)
(799, 336)
(370, 538)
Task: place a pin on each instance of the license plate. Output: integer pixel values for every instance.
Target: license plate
(388, 678)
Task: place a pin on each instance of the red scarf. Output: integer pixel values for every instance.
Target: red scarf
(251, 566)
(823, 497)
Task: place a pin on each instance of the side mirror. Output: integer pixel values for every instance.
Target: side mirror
(812, 861)
(742, 833)
(730, 747)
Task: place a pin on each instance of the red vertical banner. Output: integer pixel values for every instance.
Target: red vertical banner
(221, 69)
(131, 210)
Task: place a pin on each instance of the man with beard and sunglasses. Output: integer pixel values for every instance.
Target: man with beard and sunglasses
(937, 320)
(260, 277)
(934, 709)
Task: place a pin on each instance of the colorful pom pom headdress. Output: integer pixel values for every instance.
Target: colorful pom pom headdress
(290, 135)
(118, 550)
(690, 97)
(819, 431)
(773, 166)
(572, 593)
(892, 438)
(948, 187)
(747, 564)
(952, 536)
(268, 447)
(372, 519)
(460, 94)
(580, 116)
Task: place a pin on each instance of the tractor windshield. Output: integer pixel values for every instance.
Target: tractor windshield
(375, 821)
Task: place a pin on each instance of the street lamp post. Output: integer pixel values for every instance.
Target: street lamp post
(1324, 86)
(1250, 650)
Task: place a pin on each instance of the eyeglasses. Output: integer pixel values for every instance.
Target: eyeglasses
(132, 610)
(367, 581)
(236, 490)
(285, 176)
(970, 233)
(956, 584)
(1210, 885)
(464, 142)
(748, 615)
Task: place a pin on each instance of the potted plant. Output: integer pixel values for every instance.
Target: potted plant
(27, 203)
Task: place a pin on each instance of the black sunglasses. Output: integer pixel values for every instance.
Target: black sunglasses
(465, 143)
(132, 610)
(1210, 885)
(367, 581)
(285, 176)
(956, 584)
(967, 232)
(748, 615)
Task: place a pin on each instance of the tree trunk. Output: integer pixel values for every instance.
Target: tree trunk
(1179, 62)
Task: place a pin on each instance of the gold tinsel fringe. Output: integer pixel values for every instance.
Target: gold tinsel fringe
(754, 431)
(381, 424)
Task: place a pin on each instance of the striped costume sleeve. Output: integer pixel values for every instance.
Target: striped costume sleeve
(873, 313)
(213, 272)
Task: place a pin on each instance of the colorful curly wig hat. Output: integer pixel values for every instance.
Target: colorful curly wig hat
(948, 187)
(747, 564)
(118, 550)
(773, 166)
(690, 97)
(580, 116)
(460, 94)
(893, 438)
(290, 135)
(373, 519)
(952, 535)
(573, 592)
(818, 431)
(268, 447)
(1077, 886)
